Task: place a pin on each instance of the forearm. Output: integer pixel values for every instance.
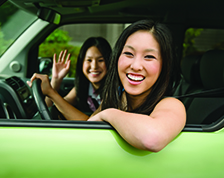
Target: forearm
(69, 112)
(139, 130)
(145, 132)
(55, 83)
(132, 127)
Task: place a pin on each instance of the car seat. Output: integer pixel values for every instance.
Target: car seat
(191, 81)
(208, 109)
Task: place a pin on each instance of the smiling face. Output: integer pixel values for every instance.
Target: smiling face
(94, 66)
(140, 63)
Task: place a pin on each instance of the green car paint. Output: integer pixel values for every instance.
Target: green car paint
(61, 152)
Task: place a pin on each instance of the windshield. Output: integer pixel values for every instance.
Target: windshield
(13, 22)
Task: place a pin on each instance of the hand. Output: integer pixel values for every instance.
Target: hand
(45, 83)
(61, 67)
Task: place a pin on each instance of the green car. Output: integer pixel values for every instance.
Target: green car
(32, 31)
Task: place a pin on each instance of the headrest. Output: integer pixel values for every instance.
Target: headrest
(212, 69)
(190, 69)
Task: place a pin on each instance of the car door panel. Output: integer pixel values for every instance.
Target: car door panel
(61, 152)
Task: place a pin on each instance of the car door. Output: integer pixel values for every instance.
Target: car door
(80, 149)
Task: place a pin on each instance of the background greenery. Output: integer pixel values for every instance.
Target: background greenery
(4, 44)
(189, 41)
(55, 43)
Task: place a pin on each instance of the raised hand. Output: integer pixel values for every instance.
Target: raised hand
(61, 67)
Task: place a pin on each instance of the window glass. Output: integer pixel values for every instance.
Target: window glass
(13, 22)
(71, 37)
(200, 40)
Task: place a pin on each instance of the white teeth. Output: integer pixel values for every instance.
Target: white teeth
(134, 77)
(95, 73)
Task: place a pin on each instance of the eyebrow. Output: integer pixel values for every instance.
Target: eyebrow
(147, 50)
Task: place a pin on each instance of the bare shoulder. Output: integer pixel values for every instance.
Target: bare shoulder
(171, 102)
(170, 108)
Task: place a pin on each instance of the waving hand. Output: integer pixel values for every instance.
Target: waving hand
(61, 67)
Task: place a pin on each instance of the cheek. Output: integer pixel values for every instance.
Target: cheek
(85, 67)
(121, 63)
(103, 66)
(122, 66)
(154, 68)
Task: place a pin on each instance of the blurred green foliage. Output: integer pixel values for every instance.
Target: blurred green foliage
(4, 44)
(58, 36)
(189, 41)
(55, 43)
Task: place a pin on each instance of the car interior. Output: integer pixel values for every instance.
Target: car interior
(202, 85)
(201, 89)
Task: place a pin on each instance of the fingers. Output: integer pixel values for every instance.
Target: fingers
(38, 76)
(68, 64)
(45, 82)
(35, 75)
(62, 56)
(68, 57)
(29, 83)
(54, 58)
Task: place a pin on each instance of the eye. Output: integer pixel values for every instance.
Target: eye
(150, 57)
(129, 54)
(101, 60)
(89, 60)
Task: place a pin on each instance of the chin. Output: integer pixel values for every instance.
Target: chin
(133, 92)
(95, 81)
(136, 92)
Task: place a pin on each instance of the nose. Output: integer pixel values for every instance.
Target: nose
(94, 64)
(136, 64)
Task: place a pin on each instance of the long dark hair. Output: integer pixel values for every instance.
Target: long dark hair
(81, 82)
(165, 84)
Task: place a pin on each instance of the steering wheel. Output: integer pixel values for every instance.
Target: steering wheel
(39, 99)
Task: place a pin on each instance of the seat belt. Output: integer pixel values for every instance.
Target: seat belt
(218, 92)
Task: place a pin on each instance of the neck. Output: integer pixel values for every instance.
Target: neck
(96, 86)
(134, 101)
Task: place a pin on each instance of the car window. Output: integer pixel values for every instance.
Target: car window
(13, 22)
(71, 37)
(199, 40)
(202, 71)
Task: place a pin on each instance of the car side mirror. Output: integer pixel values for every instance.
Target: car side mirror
(45, 65)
